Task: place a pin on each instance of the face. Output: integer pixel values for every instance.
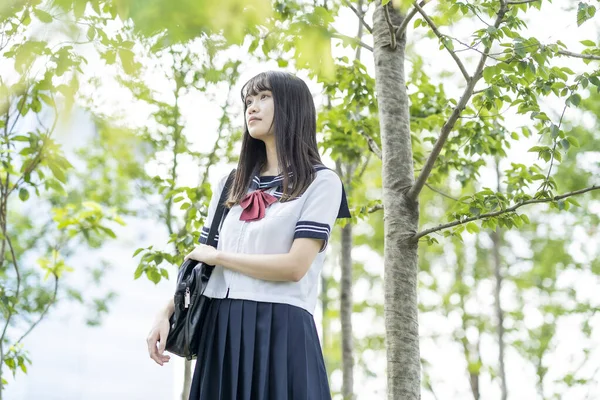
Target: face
(259, 114)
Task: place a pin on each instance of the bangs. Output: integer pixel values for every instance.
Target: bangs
(255, 85)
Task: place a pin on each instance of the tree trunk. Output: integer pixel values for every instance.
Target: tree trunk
(496, 239)
(401, 215)
(346, 314)
(187, 380)
(497, 243)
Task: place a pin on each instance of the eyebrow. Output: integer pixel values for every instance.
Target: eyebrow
(257, 93)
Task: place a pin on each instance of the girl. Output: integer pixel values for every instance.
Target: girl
(259, 339)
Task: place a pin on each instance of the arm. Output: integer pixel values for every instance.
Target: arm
(290, 266)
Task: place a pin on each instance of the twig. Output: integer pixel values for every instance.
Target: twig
(507, 210)
(440, 192)
(43, 314)
(18, 290)
(354, 40)
(386, 8)
(359, 15)
(577, 55)
(372, 145)
(402, 28)
(375, 208)
(517, 2)
(547, 180)
(447, 128)
(435, 30)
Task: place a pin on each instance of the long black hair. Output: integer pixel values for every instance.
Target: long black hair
(295, 128)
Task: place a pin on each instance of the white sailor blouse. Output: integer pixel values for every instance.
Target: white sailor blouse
(270, 227)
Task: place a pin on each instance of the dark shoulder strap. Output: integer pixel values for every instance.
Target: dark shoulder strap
(216, 222)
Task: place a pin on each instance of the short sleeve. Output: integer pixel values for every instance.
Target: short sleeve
(321, 207)
(212, 209)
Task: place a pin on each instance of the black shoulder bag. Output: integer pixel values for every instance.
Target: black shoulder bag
(190, 305)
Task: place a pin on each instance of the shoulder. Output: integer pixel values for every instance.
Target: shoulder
(327, 176)
(219, 184)
(326, 180)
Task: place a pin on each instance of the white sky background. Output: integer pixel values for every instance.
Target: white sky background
(72, 361)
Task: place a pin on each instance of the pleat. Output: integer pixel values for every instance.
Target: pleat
(298, 372)
(279, 353)
(233, 352)
(320, 371)
(223, 325)
(260, 377)
(205, 344)
(249, 320)
(211, 362)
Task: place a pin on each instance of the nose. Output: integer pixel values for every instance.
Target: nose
(251, 108)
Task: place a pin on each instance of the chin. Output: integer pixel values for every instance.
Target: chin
(258, 135)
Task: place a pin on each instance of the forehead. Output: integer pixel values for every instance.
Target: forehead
(256, 85)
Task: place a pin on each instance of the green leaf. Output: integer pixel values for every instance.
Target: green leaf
(573, 140)
(153, 275)
(472, 227)
(23, 194)
(138, 272)
(42, 15)
(584, 13)
(91, 33)
(57, 172)
(588, 43)
(384, 2)
(138, 251)
(127, 60)
(574, 99)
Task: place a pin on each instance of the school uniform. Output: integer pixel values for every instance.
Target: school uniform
(259, 340)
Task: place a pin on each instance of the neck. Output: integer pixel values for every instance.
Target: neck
(272, 165)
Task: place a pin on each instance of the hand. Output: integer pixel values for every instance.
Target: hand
(203, 253)
(158, 335)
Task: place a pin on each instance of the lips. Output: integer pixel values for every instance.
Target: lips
(253, 119)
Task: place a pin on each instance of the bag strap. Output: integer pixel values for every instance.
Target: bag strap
(218, 217)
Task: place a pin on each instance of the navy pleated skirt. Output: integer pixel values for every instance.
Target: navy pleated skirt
(253, 350)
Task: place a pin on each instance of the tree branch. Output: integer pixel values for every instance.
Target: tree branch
(440, 192)
(517, 2)
(547, 180)
(414, 191)
(401, 30)
(577, 55)
(375, 208)
(388, 19)
(17, 291)
(437, 32)
(372, 145)
(359, 15)
(507, 210)
(43, 314)
(351, 39)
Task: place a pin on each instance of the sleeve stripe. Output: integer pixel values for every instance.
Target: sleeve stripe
(311, 223)
(309, 226)
(323, 231)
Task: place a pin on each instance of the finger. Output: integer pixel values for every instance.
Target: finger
(162, 343)
(152, 349)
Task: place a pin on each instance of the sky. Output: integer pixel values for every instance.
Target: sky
(72, 361)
